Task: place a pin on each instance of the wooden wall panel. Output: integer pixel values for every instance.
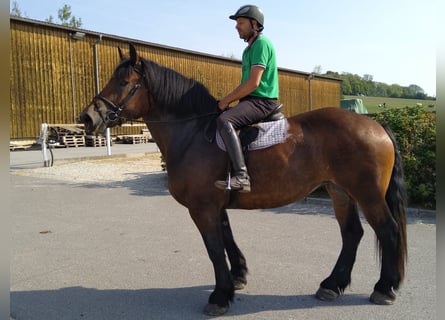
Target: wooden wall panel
(53, 76)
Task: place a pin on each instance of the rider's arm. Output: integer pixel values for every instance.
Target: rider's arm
(243, 89)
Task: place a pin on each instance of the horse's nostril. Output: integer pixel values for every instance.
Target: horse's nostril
(84, 118)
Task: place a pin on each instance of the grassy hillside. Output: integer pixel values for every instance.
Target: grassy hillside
(372, 103)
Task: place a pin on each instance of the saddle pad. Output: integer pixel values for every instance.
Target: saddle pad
(270, 133)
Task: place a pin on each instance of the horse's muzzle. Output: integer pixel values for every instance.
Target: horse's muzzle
(88, 121)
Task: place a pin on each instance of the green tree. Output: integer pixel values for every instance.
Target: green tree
(368, 85)
(353, 84)
(381, 89)
(356, 84)
(66, 18)
(395, 91)
(317, 69)
(15, 11)
(367, 77)
(346, 88)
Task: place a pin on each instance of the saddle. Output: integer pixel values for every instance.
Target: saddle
(247, 134)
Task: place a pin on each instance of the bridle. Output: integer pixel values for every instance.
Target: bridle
(113, 115)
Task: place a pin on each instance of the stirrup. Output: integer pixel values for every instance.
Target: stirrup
(224, 184)
(227, 184)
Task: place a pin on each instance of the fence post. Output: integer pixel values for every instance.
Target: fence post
(108, 141)
(43, 141)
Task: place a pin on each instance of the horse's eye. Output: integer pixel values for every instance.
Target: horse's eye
(123, 83)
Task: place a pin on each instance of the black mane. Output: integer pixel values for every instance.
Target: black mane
(173, 93)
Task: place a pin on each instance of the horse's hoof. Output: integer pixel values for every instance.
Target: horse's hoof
(326, 294)
(382, 299)
(214, 310)
(238, 284)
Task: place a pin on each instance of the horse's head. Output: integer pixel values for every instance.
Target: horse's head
(121, 99)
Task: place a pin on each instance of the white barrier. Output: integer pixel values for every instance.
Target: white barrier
(43, 139)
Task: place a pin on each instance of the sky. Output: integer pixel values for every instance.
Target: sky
(394, 41)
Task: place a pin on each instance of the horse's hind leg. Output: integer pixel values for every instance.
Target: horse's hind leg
(236, 257)
(351, 229)
(387, 231)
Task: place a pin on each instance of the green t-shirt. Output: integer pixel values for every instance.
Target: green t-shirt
(262, 52)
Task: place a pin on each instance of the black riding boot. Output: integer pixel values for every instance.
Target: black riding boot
(240, 179)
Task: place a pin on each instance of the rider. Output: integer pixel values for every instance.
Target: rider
(257, 94)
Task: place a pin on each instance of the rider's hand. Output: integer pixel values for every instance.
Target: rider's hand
(222, 105)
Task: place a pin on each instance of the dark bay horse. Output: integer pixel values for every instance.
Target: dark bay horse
(354, 157)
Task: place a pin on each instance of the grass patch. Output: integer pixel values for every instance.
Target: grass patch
(372, 104)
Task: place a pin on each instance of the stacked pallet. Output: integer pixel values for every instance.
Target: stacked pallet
(70, 136)
(18, 146)
(136, 138)
(69, 141)
(96, 141)
(144, 137)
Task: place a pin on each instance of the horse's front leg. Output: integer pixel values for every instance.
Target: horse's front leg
(237, 260)
(209, 225)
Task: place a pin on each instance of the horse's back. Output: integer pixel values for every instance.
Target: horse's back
(338, 129)
(351, 149)
(333, 118)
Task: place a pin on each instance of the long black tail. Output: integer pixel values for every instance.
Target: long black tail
(396, 198)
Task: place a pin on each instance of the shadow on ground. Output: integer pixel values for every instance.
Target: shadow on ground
(157, 303)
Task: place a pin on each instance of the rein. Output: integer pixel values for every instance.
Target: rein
(183, 119)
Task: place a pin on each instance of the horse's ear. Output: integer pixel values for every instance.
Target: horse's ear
(121, 55)
(134, 58)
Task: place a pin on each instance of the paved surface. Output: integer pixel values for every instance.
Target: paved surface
(128, 251)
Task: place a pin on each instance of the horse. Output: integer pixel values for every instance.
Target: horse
(355, 158)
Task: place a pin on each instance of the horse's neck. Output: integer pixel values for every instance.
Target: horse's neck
(178, 97)
(173, 138)
(178, 107)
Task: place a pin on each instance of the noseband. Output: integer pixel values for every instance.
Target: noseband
(114, 114)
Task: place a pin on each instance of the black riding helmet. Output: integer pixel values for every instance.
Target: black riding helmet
(250, 12)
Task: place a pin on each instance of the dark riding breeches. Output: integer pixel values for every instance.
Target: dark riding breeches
(248, 111)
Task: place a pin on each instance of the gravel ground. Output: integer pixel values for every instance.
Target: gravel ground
(98, 170)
